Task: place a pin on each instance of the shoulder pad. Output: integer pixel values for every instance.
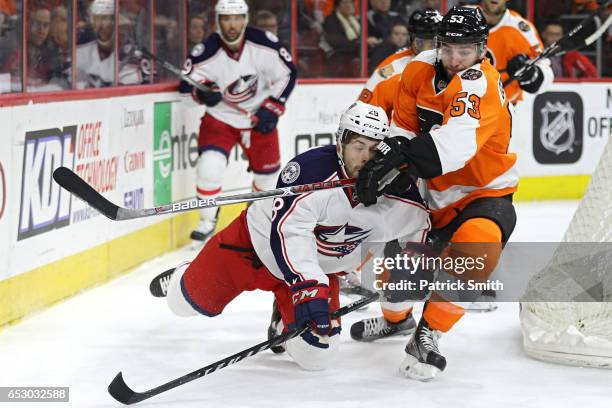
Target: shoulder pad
(316, 164)
(206, 49)
(260, 37)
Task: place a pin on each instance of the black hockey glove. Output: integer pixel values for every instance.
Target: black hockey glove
(209, 98)
(387, 158)
(268, 114)
(531, 79)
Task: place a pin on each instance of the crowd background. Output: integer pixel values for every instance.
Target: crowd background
(49, 47)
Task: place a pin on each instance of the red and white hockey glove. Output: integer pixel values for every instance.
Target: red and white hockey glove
(268, 113)
(209, 98)
(311, 302)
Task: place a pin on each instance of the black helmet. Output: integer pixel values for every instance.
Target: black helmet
(463, 25)
(423, 23)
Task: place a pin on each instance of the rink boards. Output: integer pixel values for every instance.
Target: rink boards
(141, 151)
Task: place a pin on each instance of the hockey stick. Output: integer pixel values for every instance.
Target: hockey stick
(179, 73)
(119, 390)
(79, 187)
(578, 37)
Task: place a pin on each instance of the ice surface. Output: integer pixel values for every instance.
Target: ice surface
(83, 342)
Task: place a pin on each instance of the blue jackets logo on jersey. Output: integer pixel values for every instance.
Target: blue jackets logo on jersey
(338, 241)
(242, 89)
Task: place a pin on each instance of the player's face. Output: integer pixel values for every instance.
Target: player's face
(357, 152)
(457, 57)
(232, 25)
(494, 7)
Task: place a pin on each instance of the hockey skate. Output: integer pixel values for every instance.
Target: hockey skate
(485, 303)
(378, 328)
(202, 233)
(159, 285)
(423, 359)
(275, 329)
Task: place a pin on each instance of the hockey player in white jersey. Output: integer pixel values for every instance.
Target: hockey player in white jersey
(95, 60)
(295, 246)
(250, 68)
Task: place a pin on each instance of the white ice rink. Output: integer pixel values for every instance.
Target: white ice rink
(84, 341)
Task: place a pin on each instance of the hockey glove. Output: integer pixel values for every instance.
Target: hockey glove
(311, 303)
(209, 98)
(531, 79)
(375, 174)
(268, 114)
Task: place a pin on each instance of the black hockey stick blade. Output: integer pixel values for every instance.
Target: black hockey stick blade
(159, 285)
(119, 390)
(79, 187)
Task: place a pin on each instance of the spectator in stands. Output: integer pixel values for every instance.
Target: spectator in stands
(380, 21)
(396, 40)
(572, 64)
(59, 34)
(265, 20)
(434, 4)
(10, 74)
(43, 57)
(196, 30)
(342, 32)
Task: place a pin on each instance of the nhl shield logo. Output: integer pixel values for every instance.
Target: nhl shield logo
(557, 128)
(558, 133)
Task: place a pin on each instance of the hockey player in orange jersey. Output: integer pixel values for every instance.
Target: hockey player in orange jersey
(451, 126)
(513, 40)
(380, 90)
(382, 85)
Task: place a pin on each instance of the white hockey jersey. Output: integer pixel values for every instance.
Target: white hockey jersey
(93, 72)
(311, 235)
(261, 68)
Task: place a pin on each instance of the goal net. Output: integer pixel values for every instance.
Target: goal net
(577, 332)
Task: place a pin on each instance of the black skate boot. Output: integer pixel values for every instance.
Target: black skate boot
(423, 359)
(159, 285)
(275, 329)
(378, 327)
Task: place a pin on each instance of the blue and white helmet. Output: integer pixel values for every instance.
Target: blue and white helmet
(231, 7)
(364, 119)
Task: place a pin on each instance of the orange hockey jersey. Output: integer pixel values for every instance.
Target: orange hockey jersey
(469, 121)
(515, 35)
(381, 87)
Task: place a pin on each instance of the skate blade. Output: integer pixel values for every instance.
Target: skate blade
(414, 369)
(481, 307)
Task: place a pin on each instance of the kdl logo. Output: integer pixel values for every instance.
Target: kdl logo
(44, 204)
(557, 127)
